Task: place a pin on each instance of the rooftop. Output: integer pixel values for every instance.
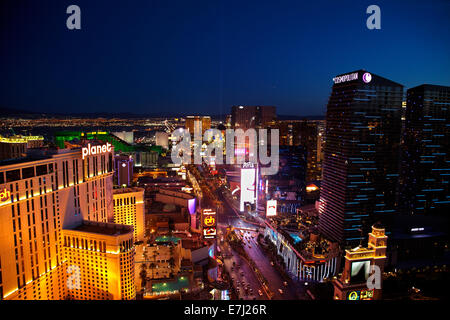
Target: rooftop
(127, 190)
(110, 229)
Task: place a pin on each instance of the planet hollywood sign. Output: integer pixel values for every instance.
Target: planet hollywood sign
(367, 77)
(92, 150)
(209, 223)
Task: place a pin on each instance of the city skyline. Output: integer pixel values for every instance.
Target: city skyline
(210, 56)
(242, 151)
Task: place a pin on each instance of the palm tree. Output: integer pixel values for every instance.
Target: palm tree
(143, 275)
(152, 267)
(171, 264)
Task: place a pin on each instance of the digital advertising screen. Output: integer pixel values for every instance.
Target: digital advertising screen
(360, 271)
(248, 187)
(271, 209)
(209, 223)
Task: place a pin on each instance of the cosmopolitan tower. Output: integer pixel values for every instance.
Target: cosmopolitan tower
(360, 169)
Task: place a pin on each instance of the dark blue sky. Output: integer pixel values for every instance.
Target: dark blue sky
(202, 57)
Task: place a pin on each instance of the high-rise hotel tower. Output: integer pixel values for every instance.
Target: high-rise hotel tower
(425, 159)
(360, 169)
(48, 250)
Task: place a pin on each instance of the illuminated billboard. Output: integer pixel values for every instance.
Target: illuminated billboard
(360, 271)
(311, 187)
(360, 295)
(209, 224)
(271, 208)
(248, 188)
(191, 206)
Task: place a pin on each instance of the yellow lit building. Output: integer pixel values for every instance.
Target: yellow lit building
(129, 209)
(42, 198)
(16, 146)
(100, 261)
(12, 148)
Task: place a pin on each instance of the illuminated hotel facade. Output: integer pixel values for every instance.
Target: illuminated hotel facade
(43, 197)
(360, 169)
(100, 261)
(246, 117)
(301, 265)
(360, 264)
(129, 209)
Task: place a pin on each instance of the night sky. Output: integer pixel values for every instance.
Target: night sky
(202, 57)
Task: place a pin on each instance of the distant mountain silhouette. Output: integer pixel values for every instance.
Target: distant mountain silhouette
(20, 113)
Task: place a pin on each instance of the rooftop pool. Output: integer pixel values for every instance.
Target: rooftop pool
(167, 239)
(172, 286)
(295, 237)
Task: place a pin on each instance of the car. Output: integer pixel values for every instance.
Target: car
(280, 291)
(260, 292)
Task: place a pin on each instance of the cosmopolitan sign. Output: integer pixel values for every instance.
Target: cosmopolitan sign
(91, 150)
(346, 77)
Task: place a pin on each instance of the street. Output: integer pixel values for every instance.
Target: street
(251, 246)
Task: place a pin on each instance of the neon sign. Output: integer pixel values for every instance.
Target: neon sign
(5, 195)
(209, 233)
(367, 77)
(209, 221)
(360, 295)
(92, 150)
(209, 224)
(311, 187)
(346, 77)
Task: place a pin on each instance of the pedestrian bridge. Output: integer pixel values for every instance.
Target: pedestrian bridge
(223, 225)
